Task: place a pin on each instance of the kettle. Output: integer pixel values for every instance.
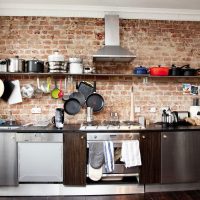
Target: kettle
(169, 117)
(58, 119)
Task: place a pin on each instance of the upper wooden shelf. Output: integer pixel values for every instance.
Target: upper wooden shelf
(90, 75)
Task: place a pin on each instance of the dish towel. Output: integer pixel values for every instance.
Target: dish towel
(131, 153)
(109, 156)
(96, 154)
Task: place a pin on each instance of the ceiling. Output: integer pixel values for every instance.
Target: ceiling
(143, 9)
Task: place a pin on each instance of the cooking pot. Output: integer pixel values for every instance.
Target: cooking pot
(3, 65)
(188, 71)
(175, 71)
(159, 71)
(75, 68)
(16, 64)
(35, 65)
(140, 70)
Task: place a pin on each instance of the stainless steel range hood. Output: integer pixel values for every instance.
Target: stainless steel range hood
(112, 51)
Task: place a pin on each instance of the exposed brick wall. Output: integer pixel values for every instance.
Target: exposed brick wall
(154, 42)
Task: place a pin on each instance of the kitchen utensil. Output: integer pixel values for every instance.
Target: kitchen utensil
(85, 88)
(58, 119)
(16, 96)
(60, 94)
(27, 91)
(175, 71)
(89, 70)
(78, 95)
(55, 91)
(65, 96)
(1, 88)
(75, 60)
(35, 65)
(75, 68)
(132, 105)
(89, 114)
(140, 70)
(159, 71)
(188, 71)
(95, 100)
(3, 66)
(56, 57)
(16, 65)
(38, 91)
(8, 89)
(72, 106)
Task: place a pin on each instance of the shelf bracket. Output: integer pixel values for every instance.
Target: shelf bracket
(145, 80)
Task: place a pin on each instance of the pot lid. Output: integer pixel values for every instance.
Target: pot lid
(56, 57)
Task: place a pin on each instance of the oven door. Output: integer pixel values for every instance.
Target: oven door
(120, 170)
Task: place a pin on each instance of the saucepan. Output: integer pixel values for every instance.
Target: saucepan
(95, 100)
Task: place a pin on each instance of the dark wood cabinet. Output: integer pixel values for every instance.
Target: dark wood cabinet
(180, 161)
(74, 153)
(150, 148)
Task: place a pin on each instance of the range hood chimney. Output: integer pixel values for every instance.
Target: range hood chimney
(112, 51)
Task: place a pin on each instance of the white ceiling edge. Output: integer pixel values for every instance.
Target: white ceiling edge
(52, 10)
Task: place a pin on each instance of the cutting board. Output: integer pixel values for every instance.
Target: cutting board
(16, 96)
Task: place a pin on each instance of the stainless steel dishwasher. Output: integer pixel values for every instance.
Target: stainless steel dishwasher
(8, 159)
(40, 157)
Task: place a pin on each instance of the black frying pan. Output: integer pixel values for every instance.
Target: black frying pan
(85, 88)
(78, 95)
(72, 106)
(95, 101)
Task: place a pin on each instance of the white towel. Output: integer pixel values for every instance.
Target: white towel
(131, 153)
(109, 156)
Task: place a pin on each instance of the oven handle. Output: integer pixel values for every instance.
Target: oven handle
(116, 143)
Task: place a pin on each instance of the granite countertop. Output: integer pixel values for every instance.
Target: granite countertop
(75, 127)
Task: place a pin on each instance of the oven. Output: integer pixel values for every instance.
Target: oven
(120, 171)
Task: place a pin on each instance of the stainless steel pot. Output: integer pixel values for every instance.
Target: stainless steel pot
(35, 65)
(16, 65)
(3, 65)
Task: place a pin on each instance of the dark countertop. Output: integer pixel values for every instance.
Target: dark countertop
(75, 127)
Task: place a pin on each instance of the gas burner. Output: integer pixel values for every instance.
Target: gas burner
(110, 123)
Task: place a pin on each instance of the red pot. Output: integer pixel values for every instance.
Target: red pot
(159, 71)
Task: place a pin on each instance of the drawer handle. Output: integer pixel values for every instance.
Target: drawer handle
(82, 137)
(143, 137)
(164, 136)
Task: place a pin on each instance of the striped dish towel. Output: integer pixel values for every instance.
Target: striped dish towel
(109, 156)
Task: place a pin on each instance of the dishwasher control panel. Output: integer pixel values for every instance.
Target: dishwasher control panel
(39, 137)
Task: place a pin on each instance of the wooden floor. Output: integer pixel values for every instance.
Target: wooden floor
(188, 195)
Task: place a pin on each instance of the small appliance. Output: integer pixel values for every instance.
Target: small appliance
(58, 119)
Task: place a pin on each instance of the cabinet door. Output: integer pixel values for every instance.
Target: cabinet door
(180, 161)
(150, 155)
(74, 158)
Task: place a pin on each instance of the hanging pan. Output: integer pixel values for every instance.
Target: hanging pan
(78, 95)
(95, 100)
(72, 106)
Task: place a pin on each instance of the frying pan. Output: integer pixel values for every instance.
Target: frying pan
(78, 95)
(85, 88)
(95, 101)
(72, 106)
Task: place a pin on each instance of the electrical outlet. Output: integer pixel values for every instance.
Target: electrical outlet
(137, 109)
(152, 109)
(36, 110)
